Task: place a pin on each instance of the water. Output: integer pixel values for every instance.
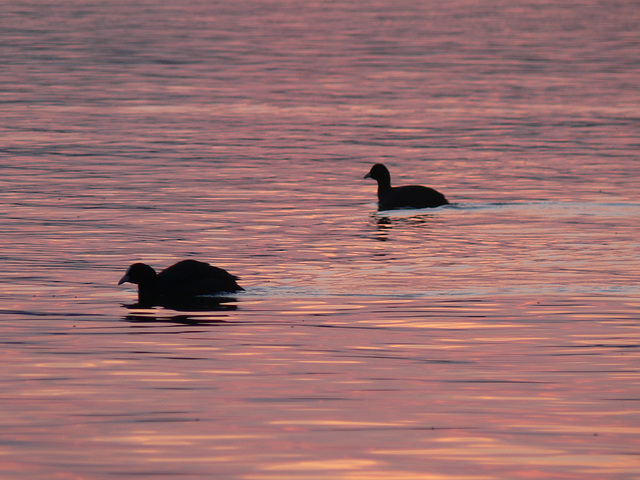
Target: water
(493, 338)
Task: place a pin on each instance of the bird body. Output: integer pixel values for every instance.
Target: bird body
(180, 283)
(408, 196)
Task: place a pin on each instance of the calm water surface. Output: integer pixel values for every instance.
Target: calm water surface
(494, 338)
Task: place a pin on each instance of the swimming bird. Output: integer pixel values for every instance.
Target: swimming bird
(408, 196)
(181, 284)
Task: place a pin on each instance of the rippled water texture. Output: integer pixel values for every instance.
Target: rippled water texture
(493, 338)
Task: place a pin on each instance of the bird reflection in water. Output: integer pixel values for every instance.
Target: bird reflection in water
(193, 304)
(384, 224)
(191, 320)
(197, 311)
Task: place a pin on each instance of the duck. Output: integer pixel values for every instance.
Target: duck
(180, 284)
(408, 196)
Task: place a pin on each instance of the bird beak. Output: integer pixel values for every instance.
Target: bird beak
(368, 175)
(123, 279)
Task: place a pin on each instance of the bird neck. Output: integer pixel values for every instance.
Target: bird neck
(148, 293)
(384, 185)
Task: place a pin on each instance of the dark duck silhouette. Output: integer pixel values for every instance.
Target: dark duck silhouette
(408, 196)
(180, 285)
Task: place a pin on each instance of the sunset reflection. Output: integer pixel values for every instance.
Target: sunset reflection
(495, 337)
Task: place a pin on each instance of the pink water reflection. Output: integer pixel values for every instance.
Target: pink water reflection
(493, 338)
(497, 390)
